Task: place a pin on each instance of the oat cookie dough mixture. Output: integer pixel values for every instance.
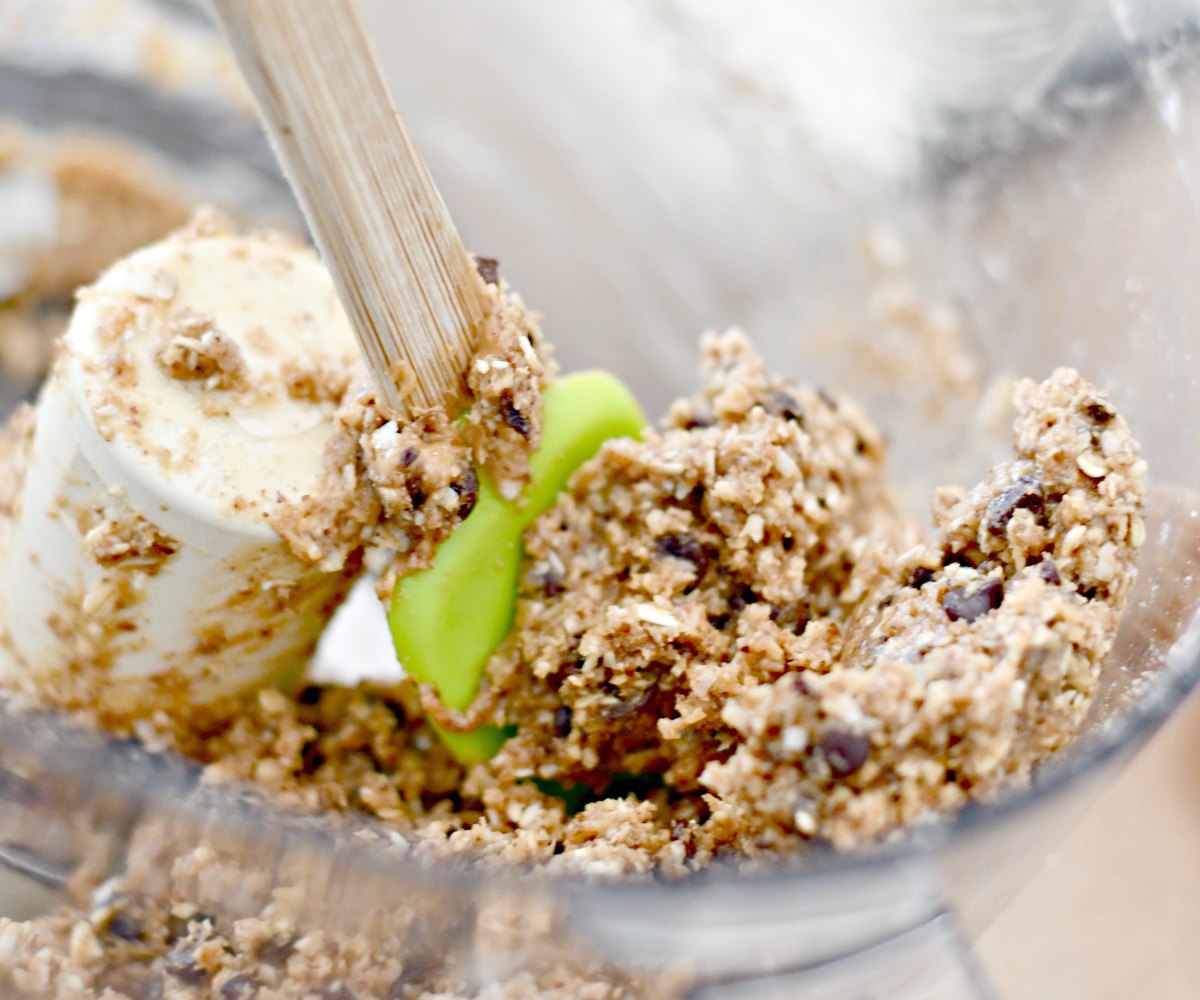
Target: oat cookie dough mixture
(730, 644)
(735, 607)
(728, 640)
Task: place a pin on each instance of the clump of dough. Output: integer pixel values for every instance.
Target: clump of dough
(505, 380)
(734, 608)
(975, 658)
(680, 569)
(194, 350)
(398, 488)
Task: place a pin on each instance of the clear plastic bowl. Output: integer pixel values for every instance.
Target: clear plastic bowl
(914, 204)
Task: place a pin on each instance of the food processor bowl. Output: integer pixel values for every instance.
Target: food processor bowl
(916, 203)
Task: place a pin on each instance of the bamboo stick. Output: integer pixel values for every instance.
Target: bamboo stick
(404, 277)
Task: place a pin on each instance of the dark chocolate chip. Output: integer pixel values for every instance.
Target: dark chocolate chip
(310, 694)
(743, 597)
(182, 965)
(683, 547)
(788, 543)
(680, 547)
(239, 987)
(785, 405)
(125, 926)
(958, 603)
(1048, 571)
(489, 269)
(467, 488)
(1089, 593)
(311, 757)
(513, 417)
(275, 952)
(397, 712)
(417, 496)
(921, 576)
(720, 622)
(1100, 412)
(845, 752)
(1023, 493)
(700, 418)
(552, 586)
(957, 559)
(562, 722)
(407, 457)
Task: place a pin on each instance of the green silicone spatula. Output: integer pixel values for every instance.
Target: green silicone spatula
(446, 621)
(414, 299)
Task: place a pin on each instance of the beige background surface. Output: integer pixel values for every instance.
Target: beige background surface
(1115, 913)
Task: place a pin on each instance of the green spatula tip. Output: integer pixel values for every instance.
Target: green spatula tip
(448, 620)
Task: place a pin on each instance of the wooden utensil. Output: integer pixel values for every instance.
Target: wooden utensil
(405, 279)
